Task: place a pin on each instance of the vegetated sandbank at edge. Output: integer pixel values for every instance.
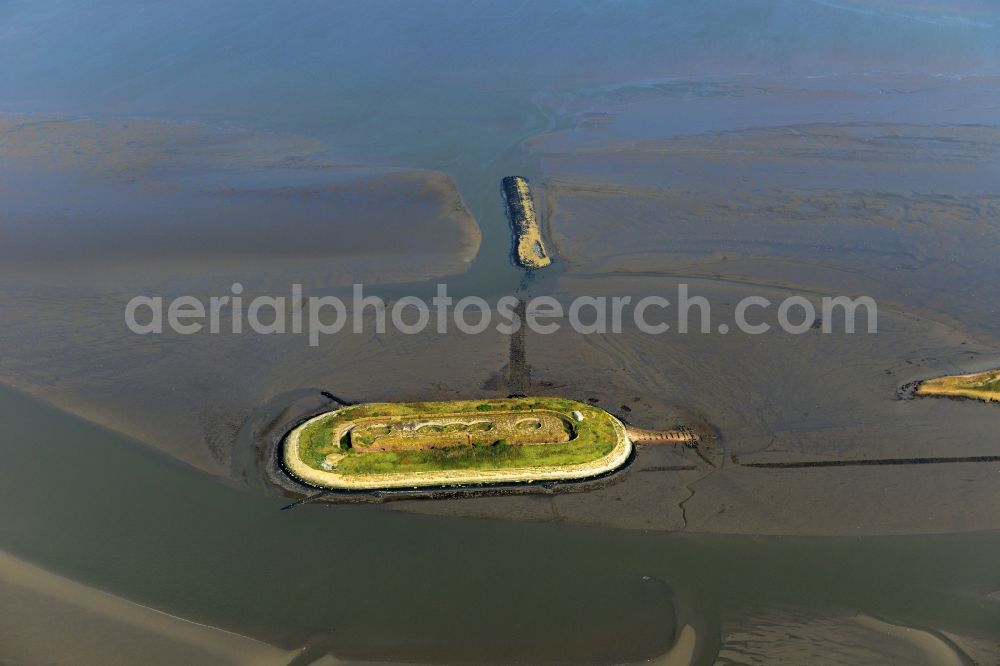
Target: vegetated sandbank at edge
(984, 386)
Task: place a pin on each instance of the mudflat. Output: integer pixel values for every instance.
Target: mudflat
(196, 204)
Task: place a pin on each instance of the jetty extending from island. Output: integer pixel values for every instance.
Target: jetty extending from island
(376, 446)
(975, 386)
(529, 248)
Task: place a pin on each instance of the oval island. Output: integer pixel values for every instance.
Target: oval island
(381, 445)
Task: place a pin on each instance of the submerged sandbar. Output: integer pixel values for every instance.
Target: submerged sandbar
(463, 442)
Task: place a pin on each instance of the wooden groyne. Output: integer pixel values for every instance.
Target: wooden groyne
(529, 248)
(682, 436)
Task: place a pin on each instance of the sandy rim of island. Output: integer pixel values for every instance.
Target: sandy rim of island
(617, 457)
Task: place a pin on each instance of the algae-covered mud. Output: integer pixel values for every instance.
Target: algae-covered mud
(735, 149)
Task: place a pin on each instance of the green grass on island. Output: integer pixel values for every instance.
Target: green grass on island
(589, 439)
